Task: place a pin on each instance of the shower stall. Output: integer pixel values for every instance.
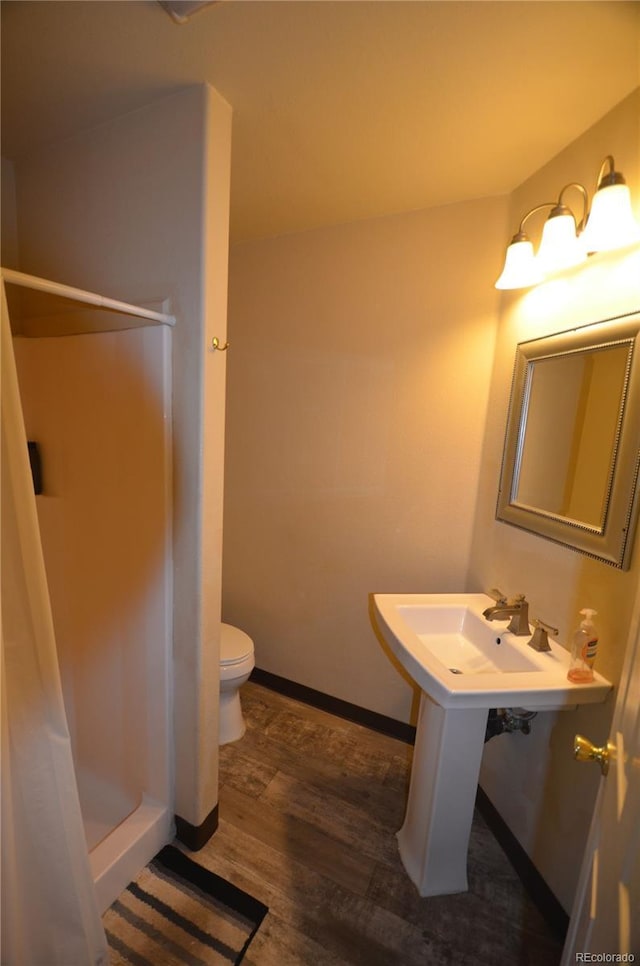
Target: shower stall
(95, 386)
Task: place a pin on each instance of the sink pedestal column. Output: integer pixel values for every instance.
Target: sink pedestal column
(434, 838)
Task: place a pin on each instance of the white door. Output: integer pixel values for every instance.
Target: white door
(606, 912)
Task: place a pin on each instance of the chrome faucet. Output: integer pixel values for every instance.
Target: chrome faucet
(517, 609)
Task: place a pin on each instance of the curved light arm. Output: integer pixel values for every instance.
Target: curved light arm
(521, 234)
(585, 202)
(612, 177)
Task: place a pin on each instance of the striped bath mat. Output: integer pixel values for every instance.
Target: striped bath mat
(176, 912)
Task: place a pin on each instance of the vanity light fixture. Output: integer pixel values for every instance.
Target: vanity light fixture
(609, 224)
(561, 244)
(520, 266)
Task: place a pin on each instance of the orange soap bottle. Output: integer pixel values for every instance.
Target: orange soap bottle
(583, 649)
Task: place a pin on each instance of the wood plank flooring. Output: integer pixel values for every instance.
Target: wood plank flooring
(309, 807)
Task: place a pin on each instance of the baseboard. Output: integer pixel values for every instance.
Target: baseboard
(197, 836)
(343, 709)
(538, 890)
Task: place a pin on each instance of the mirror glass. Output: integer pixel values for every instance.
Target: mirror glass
(570, 430)
(570, 462)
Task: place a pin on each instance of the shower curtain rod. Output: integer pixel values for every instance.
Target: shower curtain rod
(78, 295)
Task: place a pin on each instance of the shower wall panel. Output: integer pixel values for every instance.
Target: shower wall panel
(98, 406)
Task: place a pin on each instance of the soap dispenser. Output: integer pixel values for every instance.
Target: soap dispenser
(583, 649)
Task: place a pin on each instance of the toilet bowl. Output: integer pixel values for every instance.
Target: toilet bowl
(236, 664)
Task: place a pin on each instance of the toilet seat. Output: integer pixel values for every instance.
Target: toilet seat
(235, 646)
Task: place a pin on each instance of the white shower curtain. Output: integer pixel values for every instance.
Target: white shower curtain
(49, 912)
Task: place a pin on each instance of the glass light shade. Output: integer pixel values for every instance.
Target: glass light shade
(559, 246)
(520, 267)
(611, 222)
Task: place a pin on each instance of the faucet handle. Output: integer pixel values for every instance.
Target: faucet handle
(540, 640)
(497, 595)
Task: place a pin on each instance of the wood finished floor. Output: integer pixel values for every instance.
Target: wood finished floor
(309, 807)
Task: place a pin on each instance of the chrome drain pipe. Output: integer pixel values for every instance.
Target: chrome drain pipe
(501, 720)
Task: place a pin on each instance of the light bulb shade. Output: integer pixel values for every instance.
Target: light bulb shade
(520, 267)
(611, 223)
(559, 246)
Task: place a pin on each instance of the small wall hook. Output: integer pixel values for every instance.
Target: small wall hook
(215, 344)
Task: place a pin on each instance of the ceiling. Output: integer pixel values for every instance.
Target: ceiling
(342, 110)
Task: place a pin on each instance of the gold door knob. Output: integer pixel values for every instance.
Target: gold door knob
(583, 750)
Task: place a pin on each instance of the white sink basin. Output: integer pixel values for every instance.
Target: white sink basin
(464, 665)
(462, 660)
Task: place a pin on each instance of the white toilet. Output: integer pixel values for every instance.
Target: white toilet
(236, 664)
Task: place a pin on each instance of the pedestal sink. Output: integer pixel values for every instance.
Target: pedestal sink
(464, 665)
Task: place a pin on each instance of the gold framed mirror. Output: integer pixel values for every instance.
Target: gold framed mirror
(572, 444)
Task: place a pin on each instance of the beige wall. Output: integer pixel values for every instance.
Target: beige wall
(358, 377)
(544, 795)
(137, 209)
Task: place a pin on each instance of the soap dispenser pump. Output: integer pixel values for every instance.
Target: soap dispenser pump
(583, 649)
